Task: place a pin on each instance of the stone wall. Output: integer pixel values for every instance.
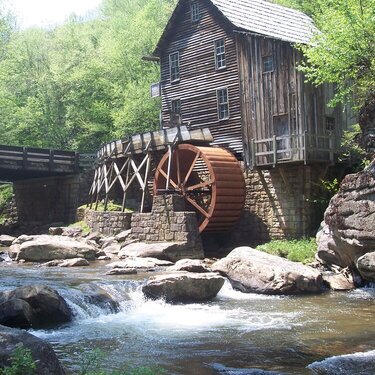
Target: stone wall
(106, 222)
(51, 199)
(168, 221)
(279, 204)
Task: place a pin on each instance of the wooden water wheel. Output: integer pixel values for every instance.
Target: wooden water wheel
(209, 178)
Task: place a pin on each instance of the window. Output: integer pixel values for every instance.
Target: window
(176, 106)
(330, 123)
(222, 104)
(267, 64)
(195, 11)
(175, 118)
(220, 54)
(174, 66)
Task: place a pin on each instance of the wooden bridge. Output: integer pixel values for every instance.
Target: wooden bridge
(20, 163)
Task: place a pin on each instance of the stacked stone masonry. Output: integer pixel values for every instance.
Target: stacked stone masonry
(279, 204)
(166, 222)
(105, 222)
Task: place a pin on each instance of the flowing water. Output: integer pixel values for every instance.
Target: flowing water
(234, 331)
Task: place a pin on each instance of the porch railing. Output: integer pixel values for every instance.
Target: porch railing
(304, 147)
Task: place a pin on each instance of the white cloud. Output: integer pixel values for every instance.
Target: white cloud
(48, 12)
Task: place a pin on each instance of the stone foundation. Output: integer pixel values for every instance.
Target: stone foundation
(279, 204)
(167, 222)
(106, 222)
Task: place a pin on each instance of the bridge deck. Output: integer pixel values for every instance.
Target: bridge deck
(25, 162)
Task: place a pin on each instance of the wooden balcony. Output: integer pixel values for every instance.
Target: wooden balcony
(306, 148)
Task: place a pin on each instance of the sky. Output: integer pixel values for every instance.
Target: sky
(46, 13)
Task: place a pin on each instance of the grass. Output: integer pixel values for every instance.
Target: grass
(302, 250)
(6, 193)
(81, 224)
(111, 206)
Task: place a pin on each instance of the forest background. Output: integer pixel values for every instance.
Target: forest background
(83, 83)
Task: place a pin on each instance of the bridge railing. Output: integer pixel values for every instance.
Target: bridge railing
(37, 159)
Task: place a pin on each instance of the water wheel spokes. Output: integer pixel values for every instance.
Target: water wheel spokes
(209, 179)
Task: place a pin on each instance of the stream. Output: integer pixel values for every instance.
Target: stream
(233, 331)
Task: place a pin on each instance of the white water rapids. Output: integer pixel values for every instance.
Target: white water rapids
(232, 334)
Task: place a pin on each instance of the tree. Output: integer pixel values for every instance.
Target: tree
(343, 53)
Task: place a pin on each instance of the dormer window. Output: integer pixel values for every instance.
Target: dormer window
(174, 66)
(220, 54)
(195, 11)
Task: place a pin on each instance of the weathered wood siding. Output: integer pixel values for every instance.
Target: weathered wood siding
(281, 92)
(198, 78)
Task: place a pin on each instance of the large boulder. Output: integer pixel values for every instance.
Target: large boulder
(98, 296)
(44, 248)
(366, 266)
(42, 353)
(349, 233)
(140, 263)
(36, 306)
(358, 363)
(253, 271)
(190, 265)
(172, 251)
(184, 286)
(6, 240)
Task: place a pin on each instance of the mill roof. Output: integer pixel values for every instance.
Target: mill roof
(269, 19)
(259, 17)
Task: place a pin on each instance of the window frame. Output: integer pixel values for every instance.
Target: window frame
(225, 103)
(178, 102)
(265, 60)
(195, 11)
(177, 79)
(217, 55)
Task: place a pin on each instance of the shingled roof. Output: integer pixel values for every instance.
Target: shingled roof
(259, 17)
(269, 19)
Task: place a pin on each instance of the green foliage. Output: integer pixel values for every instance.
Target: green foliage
(351, 151)
(81, 224)
(21, 363)
(111, 206)
(6, 194)
(302, 250)
(92, 363)
(82, 83)
(343, 53)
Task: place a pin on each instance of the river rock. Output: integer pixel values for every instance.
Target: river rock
(122, 271)
(23, 238)
(6, 240)
(122, 236)
(184, 286)
(140, 263)
(253, 271)
(112, 249)
(46, 308)
(338, 281)
(366, 265)
(172, 251)
(95, 236)
(44, 248)
(75, 262)
(358, 363)
(190, 265)
(96, 295)
(41, 352)
(13, 251)
(349, 220)
(52, 263)
(107, 241)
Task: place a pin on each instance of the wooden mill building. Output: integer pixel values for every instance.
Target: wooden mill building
(231, 66)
